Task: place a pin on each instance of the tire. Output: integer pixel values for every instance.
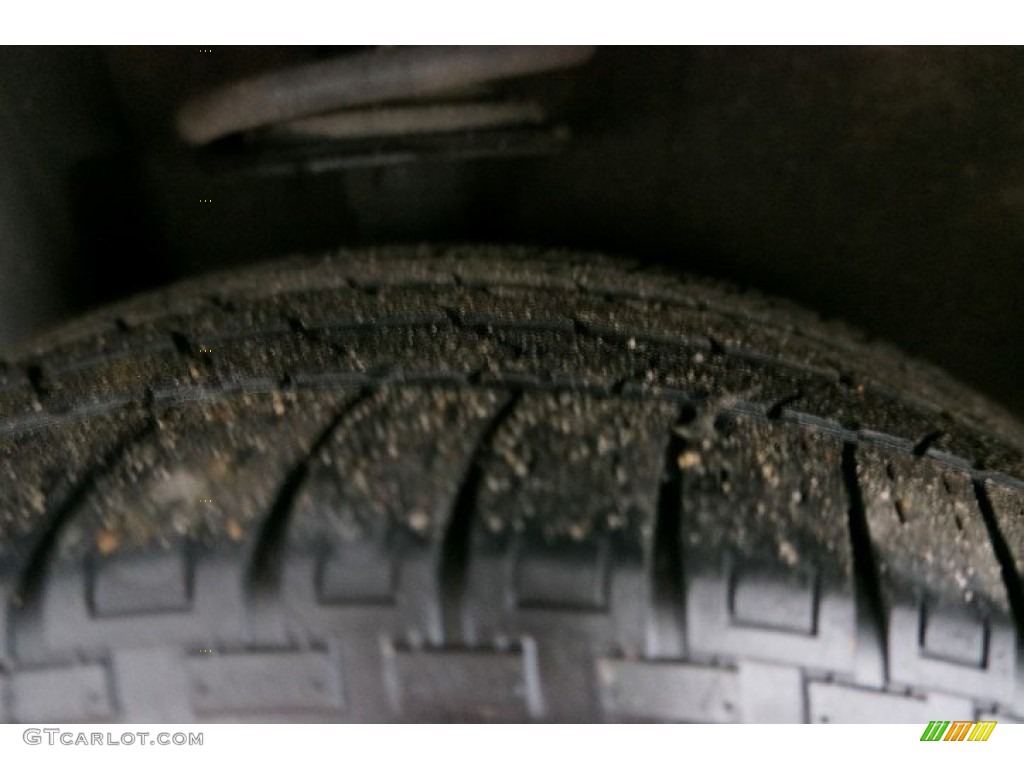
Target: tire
(489, 484)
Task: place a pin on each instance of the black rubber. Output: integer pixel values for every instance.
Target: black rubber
(489, 484)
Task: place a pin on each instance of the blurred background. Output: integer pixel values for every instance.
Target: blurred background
(882, 186)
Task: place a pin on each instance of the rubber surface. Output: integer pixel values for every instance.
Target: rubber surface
(491, 484)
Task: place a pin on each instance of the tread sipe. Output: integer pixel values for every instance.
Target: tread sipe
(492, 484)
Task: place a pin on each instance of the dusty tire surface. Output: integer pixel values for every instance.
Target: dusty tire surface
(451, 484)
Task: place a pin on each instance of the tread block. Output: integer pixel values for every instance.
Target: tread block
(68, 623)
(959, 639)
(772, 693)
(956, 668)
(207, 475)
(38, 474)
(356, 574)
(762, 599)
(399, 446)
(925, 513)
(135, 584)
(567, 504)
(150, 685)
(668, 691)
(71, 694)
(830, 703)
(767, 559)
(382, 490)
(1008, 508)
(263, 681)
(466, 685)
(949, 622)
(573, 577)
(837, 703)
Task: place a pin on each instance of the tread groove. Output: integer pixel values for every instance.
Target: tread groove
(187, 348)
(303, 331)
(926, 442)
(26, 598)
(867, 587)
(264, 571)
(717, 349)
(183, 344)
(666, 573)
(42, 420)
(457, 541)
(1011, 577)
(775, 410)
(37, 380)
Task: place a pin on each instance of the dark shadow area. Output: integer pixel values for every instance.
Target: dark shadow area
(882, 186)
(116, 232)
